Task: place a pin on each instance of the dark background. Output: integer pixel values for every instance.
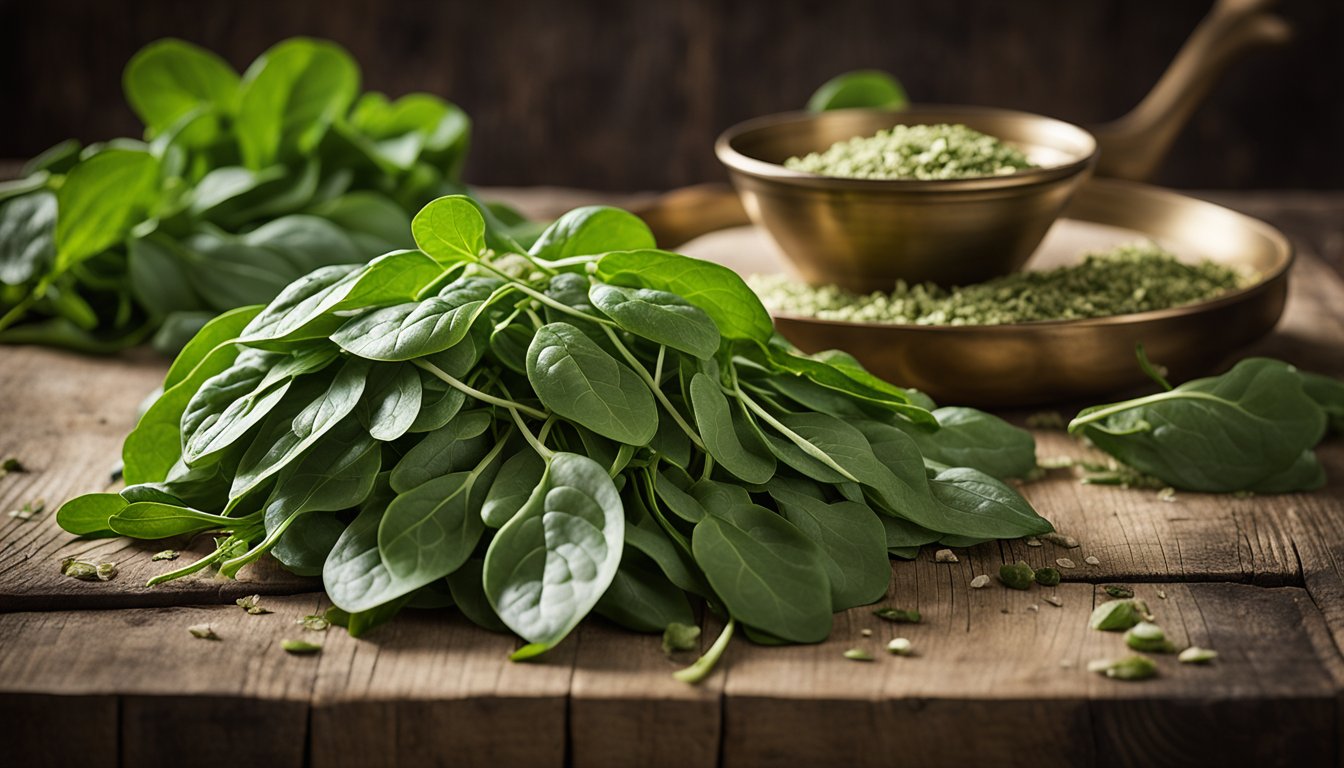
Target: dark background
(628, 96)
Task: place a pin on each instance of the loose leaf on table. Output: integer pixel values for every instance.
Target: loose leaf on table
(1218, 434)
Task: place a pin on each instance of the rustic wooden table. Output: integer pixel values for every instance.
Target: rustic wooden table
(106, 674)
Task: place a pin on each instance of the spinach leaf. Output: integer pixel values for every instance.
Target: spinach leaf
(90, 514)
(551, 563)
(591, 230)
(452, 448)
(864, 88)
(716, 290)
(27, 237)
(391, 401)
(469, 595)
(850, 535)
(429, 531)
(578, 380)
(768, 574)
(417, 329)
(642, 599)
(730, 441)
(658, 316)
(969, 438)
(169, 79)
(100, 199)
(450, 229)
(1218, 434)
(289, 98)
(513, 486)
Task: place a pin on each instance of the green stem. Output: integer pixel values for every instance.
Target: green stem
(572, 261)
(15, 312)
(705, 664)
(547, 300)
(1107, 411)
(479, 395)
(532, 440)
(653, 385)
(807, 446)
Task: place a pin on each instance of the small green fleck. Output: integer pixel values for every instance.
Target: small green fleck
(1118, 615)
(300, 647)
(105, 571)
(1016, 575)
(1061, 540)
(167, 554)
(1047, 577)
(1133, 667)
(1118, 590)
(900, 646)
(314, 623)
(203, 631)
(680, 637)
(1196, 655)
(79, 569)
(30, 510)
(251, 604)
(858, 654)
(1149, 637)
(898, 615)
(12, 464)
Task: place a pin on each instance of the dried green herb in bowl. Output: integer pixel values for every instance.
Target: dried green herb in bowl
(922, 152)
(1136, 277)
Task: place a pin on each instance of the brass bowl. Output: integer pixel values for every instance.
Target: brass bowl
(865, 234)
(1067, 360)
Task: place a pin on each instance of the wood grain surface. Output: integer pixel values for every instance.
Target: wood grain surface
(997, 677)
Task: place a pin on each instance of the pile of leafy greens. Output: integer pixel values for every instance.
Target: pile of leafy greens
(241, 185)
(1253, 428)
(536, 434)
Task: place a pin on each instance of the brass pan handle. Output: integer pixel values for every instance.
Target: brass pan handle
(1133, 146)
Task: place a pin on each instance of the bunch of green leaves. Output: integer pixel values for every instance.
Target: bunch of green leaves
(589, 424)
(1253, 428)
(241, 184)
(859, 89)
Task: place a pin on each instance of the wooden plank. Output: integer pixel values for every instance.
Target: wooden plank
(432, 689)
(994, 677)
(626, 709)
(167, 696)
(64, 416)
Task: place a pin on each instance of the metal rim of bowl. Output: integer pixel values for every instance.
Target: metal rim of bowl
(740, 162)
(1285, 254)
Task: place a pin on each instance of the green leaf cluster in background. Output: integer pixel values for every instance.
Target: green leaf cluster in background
(864, 88)
(241, 185)
(1253, 428)
(588, 425)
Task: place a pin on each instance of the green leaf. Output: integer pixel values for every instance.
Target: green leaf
(717, 290)
(290, 96)
(728, 439)
(391, 401)
(420, 328)
(312, 409)
(642, 599)
(308, 307)
(969, 438)
(27, 237)
(158, 278)
(658, 316)
(354, 575)
(768, 574)
(450, 229)
(89, 515)
(221, 330)
(170, 78)
(452, 448)
(865, 88)
(469, 595)
(99, 201)
(551, 563)
(371, 219)
(576, 379)
(399, 133)
(514, 484)
(850, 535)
(156, 520)
(973, 493)
(429, 531)
(592, 229)
(1218, 434)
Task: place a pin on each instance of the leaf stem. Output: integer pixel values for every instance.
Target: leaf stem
(804, 444)
(653, 385)
(547, 300)
(705, 664)
(572, 261)
(1106, 411)
(476, 393)
(532, 440)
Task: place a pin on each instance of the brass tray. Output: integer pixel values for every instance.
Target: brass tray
(1042, 362)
